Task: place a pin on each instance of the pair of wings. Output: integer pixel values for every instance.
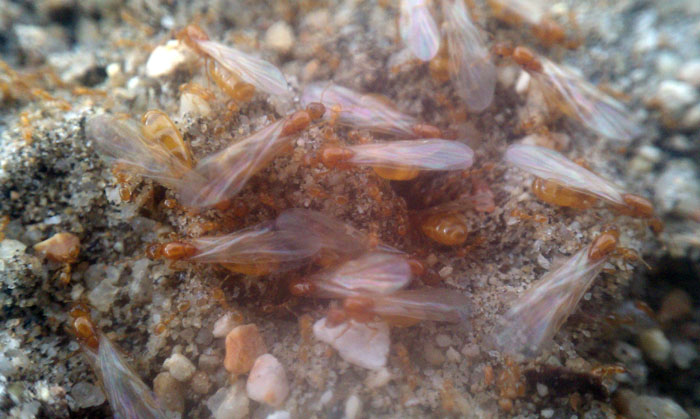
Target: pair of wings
(380, 277)
(128, 396)
(551, 165)
(214, 179)
(358, 110)
(540, 312)
(470, 67)
(424, 154)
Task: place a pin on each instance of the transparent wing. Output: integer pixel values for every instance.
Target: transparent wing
(437, 304)
(128, 396)
(541, 311)
(260, 73)
(259, 244)
(428, 154)
(330, 233)
(121, 141)
(597, 111)
(364, 111)
(549, 164)
(418, 29)
(222, 175)
(470, 66)
(373, 273)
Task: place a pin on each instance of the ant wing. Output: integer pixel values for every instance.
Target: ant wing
(470, 66)
(549, 164)
(222, 175)
(260, 73)
(540, 312)
(599, 112)
(418, 29)
(429, 154)
(259, 244)
(437, 304)
(363, 111)
(330, 233)
(373, 273)
(128, 396)
(122, 141)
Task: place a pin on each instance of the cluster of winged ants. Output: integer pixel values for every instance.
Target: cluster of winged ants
(370, 277)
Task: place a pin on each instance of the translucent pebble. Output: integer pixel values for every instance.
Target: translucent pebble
(87, 395)
(267, 381)
(243, 345)
(362, 344)
(10, 248)
(180, 367)
(229, 402)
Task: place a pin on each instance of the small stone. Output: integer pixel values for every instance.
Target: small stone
(267, 382)
(113, 70)
(243, 345)
(280, 414)
(690, 72)
(61, 247)
(650, 153)
(443, 340)
(471, 350)
(194, 105)
(200, 382)
(453, 355)
(141, 284)
(542, 390)
(103, 295)
(378, 378)
(680, 143)
(317, 19)
(676, 305)
(691, 119)
(433, 355)
(678, 187)
(203, 337)
(73, 67)
(209, 362)
(353, 407)
(363, 344)
(647, 407)
(229, 403)
(547, 413)
(280, 37)
(522, 85)
(38, 42)
(645, 159)
(667, 63)
(445, 271)
(626, 353)
(10, 248)
(87, 395)
(169, 392)
(673, 96)
(655, 345)
(578, 364)
(683, 354)
(180, 367)
(165, 59)
(224, 325)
